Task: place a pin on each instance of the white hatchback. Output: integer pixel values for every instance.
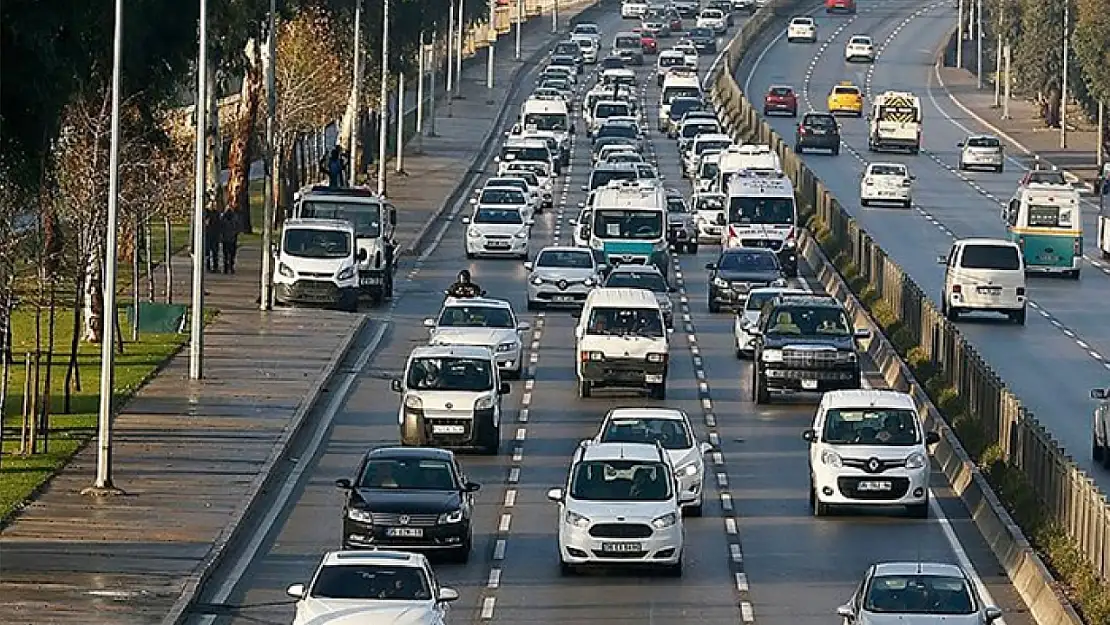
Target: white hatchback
(859, 48)
(562, 276)
(497, 227)
(481, 321)
(868, 448)
(802, 29)
(713, 19)
(886, 182)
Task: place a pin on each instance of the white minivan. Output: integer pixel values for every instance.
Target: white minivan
(317, 264)
(622, 341)
(984, 275)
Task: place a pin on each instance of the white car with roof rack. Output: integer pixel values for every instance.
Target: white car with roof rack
(886, 182)
(619, 507)
(747, 318)
(562, 276)
(868, 447)
(498, 227)
(372, 586)
(484, 322)
(671, 428)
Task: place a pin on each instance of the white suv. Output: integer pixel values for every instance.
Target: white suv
(633, 9)
(868, 448)
(802, 29)
(670, 428)
(886, 182)
(619, 507)
(485, 322)
(748, 318)
(388, 585)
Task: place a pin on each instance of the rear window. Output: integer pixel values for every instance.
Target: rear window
(820, 121)
(627, 41)
(983, 142)
(999, 257)
(782, 91)
(846, 90)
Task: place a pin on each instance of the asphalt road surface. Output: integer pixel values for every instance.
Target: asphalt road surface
(757, 554)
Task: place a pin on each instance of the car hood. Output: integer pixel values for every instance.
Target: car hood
(607, 511)
(491, 337)
(363, 611)
(570, 274)
(919, 619)
(680, 218)
(749, 276)
(329, 266)
(407, 501)
(501, 229)
(779, 341)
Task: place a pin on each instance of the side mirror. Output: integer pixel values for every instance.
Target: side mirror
(473, 202)
(580, 205)
(504, 389)
(670, 331)
(932, 438)
(706, 448)
(529, 266)
(846, 612)
(395, 386)
(361, 255)
(343, 483)
(530, 222)
(586, 187)
(1100, 393)
(429, 323)
(754, 331)
(942, 260)
(913, 177)
(960, 144)
(672, 289)
(296, 591)
(574, 222)
(556, 495)
(466, 220)
(524, 326)
(497, 159)
(992, 614)
(603, 267)
(862, 333)
(809, 436)
(447, 595)
(471, 487)
(711, 266)
(477, 190)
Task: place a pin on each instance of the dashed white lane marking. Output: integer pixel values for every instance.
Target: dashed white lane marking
(488, 605)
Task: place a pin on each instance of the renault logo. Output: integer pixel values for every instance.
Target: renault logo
(873, 465)
(449, 405)
(403, 519)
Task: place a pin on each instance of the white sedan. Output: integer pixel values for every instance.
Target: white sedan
(483, 322)
(802, 29)
(713, 19)
(886, 182)
(860, 48)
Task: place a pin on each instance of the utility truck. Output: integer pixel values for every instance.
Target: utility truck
(894, 123)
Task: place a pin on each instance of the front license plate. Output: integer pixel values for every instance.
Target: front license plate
(873, 486)
(448, 429)
(369, 280)
(562, 298)
(809, 385)
(653, 379)
(621, 547)
(404, 532)
(497, 246)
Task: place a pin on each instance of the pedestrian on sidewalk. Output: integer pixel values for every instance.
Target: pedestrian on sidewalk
(230, 227)
(212, 237)
(335, 167)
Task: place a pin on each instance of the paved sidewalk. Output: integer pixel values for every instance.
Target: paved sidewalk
(189, 455)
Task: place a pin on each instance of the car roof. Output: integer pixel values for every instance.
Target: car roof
(373, 556)
(433, 453)
(477, 301)
(919, 568)
(673, 414)
(477, 352)
(868, 398)
(985, 241)
(607, 296)
(642, 452)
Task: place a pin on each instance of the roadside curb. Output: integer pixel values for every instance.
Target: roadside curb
(261, 482)
(474, 168)
(1075, 180)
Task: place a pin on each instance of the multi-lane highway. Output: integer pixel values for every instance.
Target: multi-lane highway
(757, 554)
(1064, 350)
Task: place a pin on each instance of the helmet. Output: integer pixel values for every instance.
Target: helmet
(464, 276)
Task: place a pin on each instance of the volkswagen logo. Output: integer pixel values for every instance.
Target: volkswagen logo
(562, 285)
(448, 405)
(873, 465)
(403, 519)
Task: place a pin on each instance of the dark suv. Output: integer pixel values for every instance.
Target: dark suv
(807, 344)
(817, 130)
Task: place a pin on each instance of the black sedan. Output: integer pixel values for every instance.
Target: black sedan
(738, 271)
(409, 498)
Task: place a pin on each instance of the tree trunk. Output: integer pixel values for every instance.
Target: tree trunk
(167, 226)
(241, 154)
(36, 393)
(51, 319)
(5, 352)
(73, 373)
(147, 252)
(136, 245)
(94, 296)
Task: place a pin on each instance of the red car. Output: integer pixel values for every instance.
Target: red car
(780, 99)
(676, 21)
(648, 43)
(840, 6)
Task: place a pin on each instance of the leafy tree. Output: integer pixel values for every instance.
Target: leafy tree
(1092, 46)
(1037, 53)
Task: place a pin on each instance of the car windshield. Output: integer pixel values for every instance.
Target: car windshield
(709, 170)
(566, 259)
(620, 480)
(612, 63)
(626, 42)
(641, 322)
(562, 62)
(624, 157)
(558, 84)
(1045, 177)
(567, 48)
(408, 474)
(502, 216)
(681, 106)
(586, 29)
(631, 280)
(603, 110)
(602, 177)
(371, 582)
(546, 121)
(450, 374)
(313, 243)
(998, 257)
(761, 210)
(527, 176)
(709, 203)
(756, 299)
(888, 170)
(919, 594)
(366, 218)
(676, 205)
(476, 317)
(782, 92)
(628, 224)
(715, 144)
(668, 60)
(510, 182)
(874, 426)
(519, 153)
(699, 33)
(537, 168)
(502, 196)
(817, 321)
(627, 131)
(748, 261)
(671, 433)
(863, 41)
(983, 142)
(670, 93)
(692, 130)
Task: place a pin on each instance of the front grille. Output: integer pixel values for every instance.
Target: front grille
(392, 519)
(498, 237)
(770, 244)
(809, 357)
(831, 375)
(620, 555)
(881, 465)
(624, 260)
(849, 487)
(315, 274)
(314, 290)
(621, 530)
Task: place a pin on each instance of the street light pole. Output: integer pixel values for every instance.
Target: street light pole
(422, 66)
(491, 39)
(383, 101)
(979, 44)
(1064, 82)
(196, 343)
(356, 84)
(960, 35)
(519, 23)
(110, 316)
(432, 86)
(458, 50)
(400, 158)
(555, 17)
(265, 302)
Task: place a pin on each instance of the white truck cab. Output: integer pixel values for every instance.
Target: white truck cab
(619, 507)
(868, 448)
(317, 264)
(986, 275)
(622, 341)
(451, 398)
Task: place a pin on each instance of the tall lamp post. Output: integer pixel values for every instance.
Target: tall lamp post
(196, 343)
(110, 316)
(356, 84)
(519, 23)
(1064, 80)
(383, 102)
(491, 38)
(265, 302)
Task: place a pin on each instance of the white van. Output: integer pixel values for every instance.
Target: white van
(984, 275)
(317, 264)
(677, 86)
(622, 341)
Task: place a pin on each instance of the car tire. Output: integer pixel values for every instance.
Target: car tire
(1018, 317)
(919, 510)
(759, 388)
(794, 114)
(952, 313)
(469, 255)
(714, 307)
(907, 204)
(799, 149)
(836, 151)
(585, 389)
(1000, 168)
(863, 202)
(692, 248)
(819, 507)
(566, 569)
(491, 443)
(673, 570)
(515, 375)
(1098, 454)
(461, 555)
(533, 305)
(695, 511)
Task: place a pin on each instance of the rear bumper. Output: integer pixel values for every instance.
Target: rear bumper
(623, 373)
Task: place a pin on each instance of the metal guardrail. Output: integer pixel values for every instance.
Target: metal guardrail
(1070, 499)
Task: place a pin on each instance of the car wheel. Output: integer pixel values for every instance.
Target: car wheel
(584, 389)
(469, 255)
(759, 388)
(714, 307)
(919, 510)
(673, 570)
(532, 305)
(515, 375)
(952, 313)
(863, 202)
(692, 248)
(836, 151)
(696, 510)
(1000, 168)
(1098, 454)
(907, 204)
(798, 149)
(566, 569)
(820, 508)
(461, 555)
(960, 166)
(1018, 317)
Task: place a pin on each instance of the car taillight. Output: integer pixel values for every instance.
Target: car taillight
(957, 288)
(802, 130)
(1077, 246)
(1021, 291)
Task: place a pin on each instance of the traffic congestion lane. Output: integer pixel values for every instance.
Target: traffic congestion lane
(945, 207)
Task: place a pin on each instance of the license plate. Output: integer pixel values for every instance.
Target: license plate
(1048, 258)
(809, 385)
(873, 486)
(621, 547)
(369, 280)
(653, 379)
(989, 290)
(404, 532)
(562, 298)
(497, 245)
(448, 429)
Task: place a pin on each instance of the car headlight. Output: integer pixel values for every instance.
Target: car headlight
(831, 458)
(665, 521)
(483, 403)
(588, 282)
(345, 274)
(577, 520)
(720, 282)
(916, 461)
(507, 347)
(448, 518)
(523, 234)
(473, 233)
(772, 355)
(690, 469)
(656, 357)
(790, 244)
(537, 280)
(359, 516)
(846, 356)
(414, 402)
(285, 270)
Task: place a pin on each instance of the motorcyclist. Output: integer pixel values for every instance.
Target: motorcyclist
(463, 287)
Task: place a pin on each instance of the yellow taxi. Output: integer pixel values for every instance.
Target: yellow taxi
(846, 98)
